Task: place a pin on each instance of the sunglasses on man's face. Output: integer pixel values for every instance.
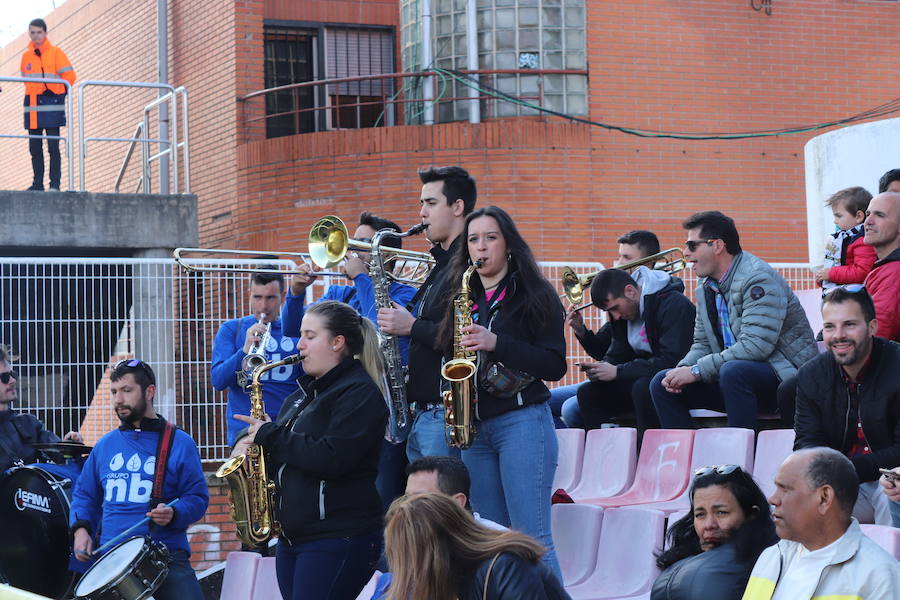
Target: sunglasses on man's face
(851, 288)
(692, 245)
(6, 377)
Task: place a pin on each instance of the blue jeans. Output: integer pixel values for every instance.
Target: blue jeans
(428, 437)
(181, 582)
(895, 512)
(566, 412)
(744, 388)
(512, 463)
(327, 569)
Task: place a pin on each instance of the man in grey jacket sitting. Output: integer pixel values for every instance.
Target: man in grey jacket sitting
(750, 332)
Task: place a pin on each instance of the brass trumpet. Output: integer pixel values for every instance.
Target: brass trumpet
(575, 284)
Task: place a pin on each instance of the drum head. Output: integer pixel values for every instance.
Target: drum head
(113, 564)
(34, 531)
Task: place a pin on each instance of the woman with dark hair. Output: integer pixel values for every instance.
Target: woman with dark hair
(713, 548)
(519, 340)
(436, 550)
(323, 454)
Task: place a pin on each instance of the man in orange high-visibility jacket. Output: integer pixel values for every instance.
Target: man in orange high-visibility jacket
(45, 103)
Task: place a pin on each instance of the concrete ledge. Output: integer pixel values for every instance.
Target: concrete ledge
(83, 220)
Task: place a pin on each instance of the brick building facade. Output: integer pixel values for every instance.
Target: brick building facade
(692, 66)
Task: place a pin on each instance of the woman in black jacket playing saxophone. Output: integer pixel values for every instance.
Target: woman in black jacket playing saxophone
(323, 451)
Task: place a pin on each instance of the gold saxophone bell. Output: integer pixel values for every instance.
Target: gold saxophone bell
(574, 284)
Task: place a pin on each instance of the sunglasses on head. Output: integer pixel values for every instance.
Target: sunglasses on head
(5, 377)
(692, 245)
(133, 363)
(720, 469)
(852, 288)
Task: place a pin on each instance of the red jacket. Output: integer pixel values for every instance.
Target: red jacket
(52, 63)
(883, 284)
(858, 260)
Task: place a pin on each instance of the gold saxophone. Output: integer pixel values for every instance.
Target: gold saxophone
(252, 491)
(460, 371)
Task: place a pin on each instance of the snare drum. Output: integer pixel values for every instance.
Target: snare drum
(34, 530)
(133, 570)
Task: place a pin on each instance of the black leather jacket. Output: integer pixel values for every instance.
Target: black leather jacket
(19, 431)
(826, 414)
(713, 575)
(513, 578)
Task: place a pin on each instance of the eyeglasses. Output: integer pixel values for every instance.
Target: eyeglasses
(720, 469)
(134, 363)
(5, 377)
(692, 245)
(851, 288)
(364, 240)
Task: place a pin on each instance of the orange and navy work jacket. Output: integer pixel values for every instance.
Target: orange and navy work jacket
(51, 64)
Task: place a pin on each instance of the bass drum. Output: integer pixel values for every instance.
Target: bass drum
(34, 530)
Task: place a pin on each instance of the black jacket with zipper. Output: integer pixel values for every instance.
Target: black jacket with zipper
(668, 317)
(424, 383)
(540, 353)
(512, 578)
(826, 416)
(323, 450)
(19, 431)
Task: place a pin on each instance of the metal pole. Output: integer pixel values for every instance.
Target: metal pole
(427, 82)
(472, 48)
(162, 58)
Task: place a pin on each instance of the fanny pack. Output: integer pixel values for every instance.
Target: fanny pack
(501, 381)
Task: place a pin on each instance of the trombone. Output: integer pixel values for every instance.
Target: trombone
(329, 243)
(191, 264)
(574, 284)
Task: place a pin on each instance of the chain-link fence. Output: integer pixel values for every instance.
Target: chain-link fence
(67, 320)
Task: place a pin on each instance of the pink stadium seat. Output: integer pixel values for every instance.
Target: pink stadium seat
(576, 535)
(626, 556)
(811, 301)
(608, 467)
(885, 536)
(266, 586)
(571, 456)
(240, 575)
(714, 446)
(662, 472)
(772, 447)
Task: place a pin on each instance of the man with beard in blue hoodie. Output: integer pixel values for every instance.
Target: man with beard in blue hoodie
(650, 328)
(116, 487)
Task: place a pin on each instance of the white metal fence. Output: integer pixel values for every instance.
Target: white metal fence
(68, 319)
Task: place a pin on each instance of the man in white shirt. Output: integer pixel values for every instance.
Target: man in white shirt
(822, 552)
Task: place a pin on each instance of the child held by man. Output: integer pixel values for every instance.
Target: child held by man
(847, 257)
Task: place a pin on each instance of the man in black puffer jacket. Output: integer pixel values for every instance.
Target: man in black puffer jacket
(650, 328)
(849, 397)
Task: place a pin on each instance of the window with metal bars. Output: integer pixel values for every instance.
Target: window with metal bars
(292, 56)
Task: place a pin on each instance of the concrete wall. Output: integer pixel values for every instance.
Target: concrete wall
(851, 156)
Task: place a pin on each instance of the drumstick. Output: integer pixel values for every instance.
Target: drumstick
(119, 537)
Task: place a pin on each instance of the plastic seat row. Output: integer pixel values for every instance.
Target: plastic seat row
(602, 467)
(607, 553)
(249, 576)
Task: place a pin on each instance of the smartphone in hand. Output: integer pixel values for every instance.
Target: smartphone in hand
(891, 476)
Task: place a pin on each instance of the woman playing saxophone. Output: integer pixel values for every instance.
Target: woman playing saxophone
(517, 333)
(323, 449)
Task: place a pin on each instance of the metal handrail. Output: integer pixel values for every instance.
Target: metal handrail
(134, 140)
(82, 142)
(63, 138)
(391, 76)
